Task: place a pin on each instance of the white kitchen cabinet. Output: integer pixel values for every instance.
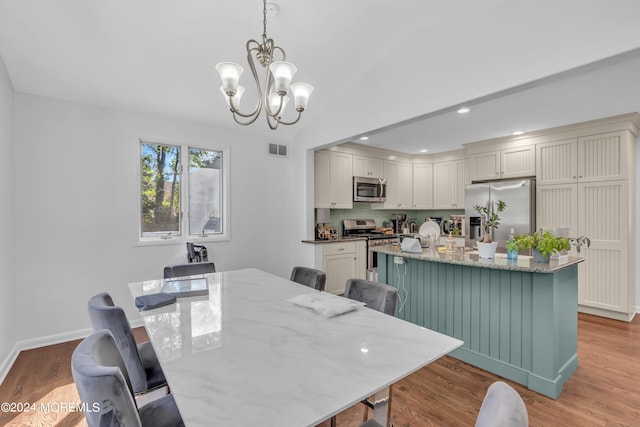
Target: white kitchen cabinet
(422, 186)
(513, 162)
(602, 157)
(584, 197)
(449, 180)
(399, 186)
(368, 166)
(333, 185)
(342, 261)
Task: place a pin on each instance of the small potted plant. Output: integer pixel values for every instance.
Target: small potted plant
(491, 220)
(543, 243)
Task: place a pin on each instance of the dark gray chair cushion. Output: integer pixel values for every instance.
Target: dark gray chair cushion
(377, 296)
(103, 385)
(502, 407)
(309, 277)
(141, 361)
(190, 269)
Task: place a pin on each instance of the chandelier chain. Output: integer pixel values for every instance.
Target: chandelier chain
(264, 20)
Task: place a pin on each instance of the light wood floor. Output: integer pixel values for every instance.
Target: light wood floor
(604, 391)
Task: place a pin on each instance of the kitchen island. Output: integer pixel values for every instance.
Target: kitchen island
(518, 319)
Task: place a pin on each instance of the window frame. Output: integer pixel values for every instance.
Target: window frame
(184, 235)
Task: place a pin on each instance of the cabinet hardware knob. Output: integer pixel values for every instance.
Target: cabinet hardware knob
(573, 177)
(580, 176)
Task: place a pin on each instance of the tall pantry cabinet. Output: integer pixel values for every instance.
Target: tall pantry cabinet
(587, 183)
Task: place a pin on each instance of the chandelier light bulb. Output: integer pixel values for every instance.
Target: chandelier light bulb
(301, 93)
(235, 98)
(282, 73)
(230, 75)
(274, 103)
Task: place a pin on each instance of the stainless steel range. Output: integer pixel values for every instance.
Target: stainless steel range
(367, 228)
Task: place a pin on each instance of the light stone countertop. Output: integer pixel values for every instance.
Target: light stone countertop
(246, 356)
(338, 240)
(471, 259)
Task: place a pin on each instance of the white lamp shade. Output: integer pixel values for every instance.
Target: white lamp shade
(274, 103)
(235, 98)
(301, 93)
(283, 73)
(230, 75)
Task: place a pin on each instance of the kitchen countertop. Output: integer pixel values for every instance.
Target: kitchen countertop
(471, 259)
(338, 240)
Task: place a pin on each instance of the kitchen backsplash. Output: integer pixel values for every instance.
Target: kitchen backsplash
(362, 210)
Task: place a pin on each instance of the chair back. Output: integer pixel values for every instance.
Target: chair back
(309, 277)
(502, 407)
(101, 379)
(190, 269)
(105, 315)
(377, 296)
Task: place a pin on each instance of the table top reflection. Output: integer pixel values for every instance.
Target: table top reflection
(243, 355)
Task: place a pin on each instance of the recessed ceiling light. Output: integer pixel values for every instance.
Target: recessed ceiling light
(463, 110)
(424, 150)
(518, 132)
(364, 138)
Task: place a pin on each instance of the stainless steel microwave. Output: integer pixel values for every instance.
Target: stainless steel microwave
(369, 189)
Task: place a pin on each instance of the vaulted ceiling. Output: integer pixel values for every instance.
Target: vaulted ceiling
(520, 65)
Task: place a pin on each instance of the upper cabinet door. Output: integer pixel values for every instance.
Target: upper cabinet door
(342, 180)
(485, 166)
(557, 162)
(322, 184)
(518, 162)
(367, 166)
(603, 157)
(423, 186)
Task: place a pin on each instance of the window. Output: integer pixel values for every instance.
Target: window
(160, 190)
(169, 205)
(205, 200)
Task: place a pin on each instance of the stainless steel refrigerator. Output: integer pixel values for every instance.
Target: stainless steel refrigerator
(519, 195)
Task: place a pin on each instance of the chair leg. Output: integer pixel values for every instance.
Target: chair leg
(365, 414)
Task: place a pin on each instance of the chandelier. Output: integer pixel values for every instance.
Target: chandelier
(277, 82)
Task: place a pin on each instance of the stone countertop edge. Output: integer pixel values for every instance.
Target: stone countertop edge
(338, 240)
(472, 260)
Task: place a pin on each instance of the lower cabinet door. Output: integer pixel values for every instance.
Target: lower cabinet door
(338, 269)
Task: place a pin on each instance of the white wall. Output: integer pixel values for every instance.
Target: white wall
(7, 277)
(76, 200)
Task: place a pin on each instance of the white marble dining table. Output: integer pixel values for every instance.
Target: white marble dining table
(244, 355)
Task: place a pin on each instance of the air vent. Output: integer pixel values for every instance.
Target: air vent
(278, 150)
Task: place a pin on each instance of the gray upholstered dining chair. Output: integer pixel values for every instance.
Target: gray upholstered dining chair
(104, 388)
(502, 407)
(311, 277)
(377, 296)
(181, 270)
(140, 359)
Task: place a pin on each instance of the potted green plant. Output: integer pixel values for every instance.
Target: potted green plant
(490, 219)
(543, 244)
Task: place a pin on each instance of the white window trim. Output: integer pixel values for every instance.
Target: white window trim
(225, 236)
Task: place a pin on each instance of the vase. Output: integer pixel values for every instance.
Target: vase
(537, 256)
(487, 250)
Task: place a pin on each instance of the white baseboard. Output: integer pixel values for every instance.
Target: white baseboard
(8, 362)
(29, 344)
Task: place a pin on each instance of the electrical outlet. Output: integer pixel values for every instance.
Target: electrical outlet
(398, 260)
